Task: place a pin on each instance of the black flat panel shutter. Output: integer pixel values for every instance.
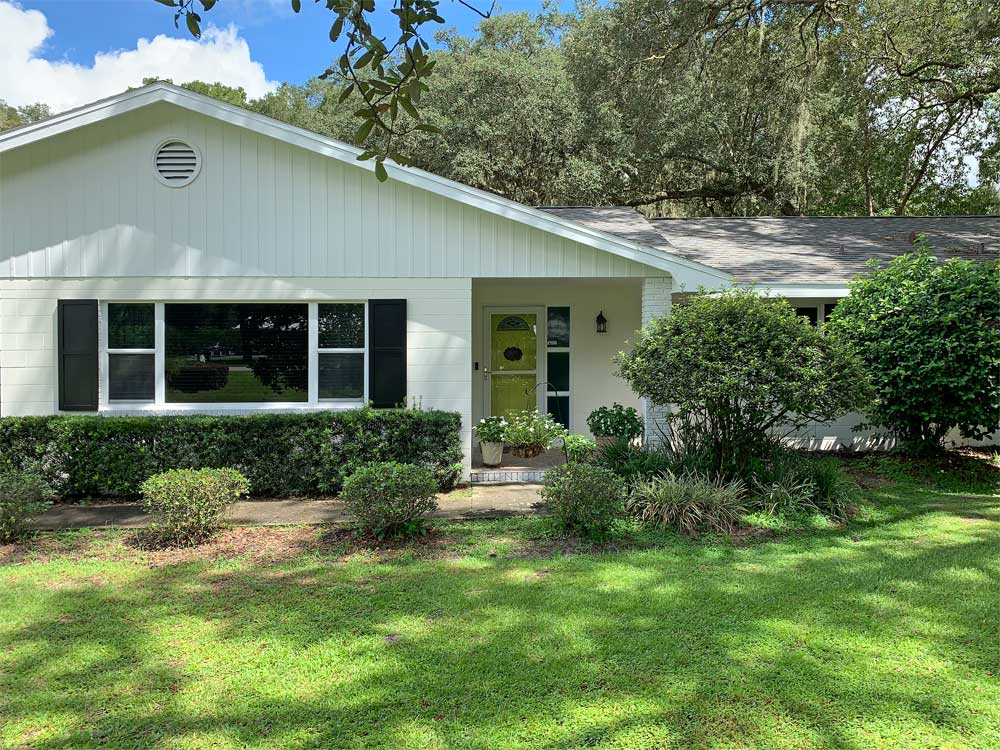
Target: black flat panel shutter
(387, 353)
(78, 355)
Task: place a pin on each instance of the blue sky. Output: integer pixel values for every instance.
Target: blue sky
(48, 47)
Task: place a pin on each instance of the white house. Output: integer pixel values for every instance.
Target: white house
(152, 241)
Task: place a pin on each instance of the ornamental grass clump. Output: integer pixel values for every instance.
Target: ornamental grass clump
(388, 499)
(689, 503)
(188, 505)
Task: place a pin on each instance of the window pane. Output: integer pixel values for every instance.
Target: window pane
(828, 311)
(342, 326)
(807, 312)
(559, 409)
(342, 376)
(130, 326)
(237, 353)
(558, 371)
(558, 326)
(130, 377)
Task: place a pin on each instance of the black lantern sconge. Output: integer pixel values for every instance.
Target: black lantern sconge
(602, 322)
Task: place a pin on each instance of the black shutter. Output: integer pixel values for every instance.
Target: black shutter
(78, 355)
(387, 353)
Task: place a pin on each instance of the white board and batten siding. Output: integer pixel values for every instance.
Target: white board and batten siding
(87, 203)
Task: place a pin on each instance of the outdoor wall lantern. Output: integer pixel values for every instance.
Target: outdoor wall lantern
(602, 322)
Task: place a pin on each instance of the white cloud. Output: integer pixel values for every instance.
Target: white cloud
(221, 55)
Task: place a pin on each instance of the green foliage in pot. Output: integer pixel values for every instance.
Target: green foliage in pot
(615, 421)
(929, 334)
(579, 449)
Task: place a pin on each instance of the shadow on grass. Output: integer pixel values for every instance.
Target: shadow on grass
(883, 633)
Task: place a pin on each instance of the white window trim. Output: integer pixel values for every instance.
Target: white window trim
(160, 403)
(314, 347)
(104, 367)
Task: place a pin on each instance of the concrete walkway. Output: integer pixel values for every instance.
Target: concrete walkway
(479, 501)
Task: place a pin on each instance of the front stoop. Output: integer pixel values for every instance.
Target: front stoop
(507, 476)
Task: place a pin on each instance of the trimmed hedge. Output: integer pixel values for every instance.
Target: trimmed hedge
(281, 454)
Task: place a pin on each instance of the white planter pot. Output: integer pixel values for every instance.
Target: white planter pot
(492, 453)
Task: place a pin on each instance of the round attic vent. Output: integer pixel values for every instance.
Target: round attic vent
(176, 163)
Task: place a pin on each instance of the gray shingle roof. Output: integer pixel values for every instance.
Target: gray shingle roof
(796, 249)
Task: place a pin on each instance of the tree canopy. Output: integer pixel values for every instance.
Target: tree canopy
(701, 107)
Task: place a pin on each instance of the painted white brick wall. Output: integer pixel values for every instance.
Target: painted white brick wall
(656, 302)
(439, 330)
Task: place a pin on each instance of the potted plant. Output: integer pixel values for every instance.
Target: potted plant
(529, 433)
(491, 432)
(616, 422)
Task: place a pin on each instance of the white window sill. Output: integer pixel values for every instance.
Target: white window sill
(125, 408)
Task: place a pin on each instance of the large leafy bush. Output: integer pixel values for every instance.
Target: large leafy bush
(281, 454)
(188, 505)
(583, 498)
(739, 368)
(389, 498)
(929, 334)
(23, 495)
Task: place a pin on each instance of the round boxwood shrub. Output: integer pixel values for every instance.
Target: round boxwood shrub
(584, 499)
(389, 498)
(188, 505)
(23, 495)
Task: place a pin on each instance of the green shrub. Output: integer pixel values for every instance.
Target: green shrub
(281, 454)
(632, 462)
(23, 495)
(583, 498)
(389, 499)
(187, 505)
(688, 503)
(579, 449)
(929, 334)
(615, 421)
(737, 367)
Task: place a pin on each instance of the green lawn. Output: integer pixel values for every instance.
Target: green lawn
(881, 634)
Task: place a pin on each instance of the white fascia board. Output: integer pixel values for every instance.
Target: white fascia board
(799, 289)
(684, 271)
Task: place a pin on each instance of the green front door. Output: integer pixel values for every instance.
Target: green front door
(513, 369)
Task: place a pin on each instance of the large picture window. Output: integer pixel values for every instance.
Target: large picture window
(230, 354)
(236, 353)
(131, 352)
